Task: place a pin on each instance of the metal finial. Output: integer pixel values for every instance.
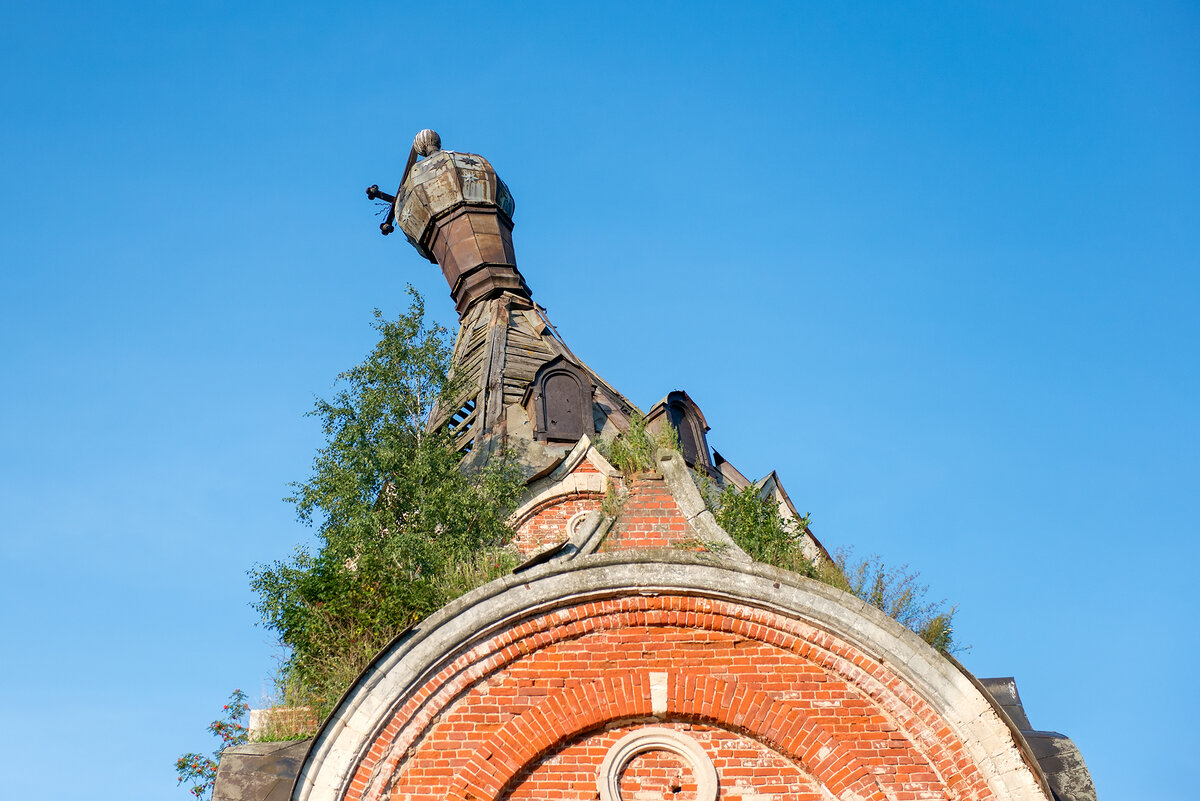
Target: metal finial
(427, 142)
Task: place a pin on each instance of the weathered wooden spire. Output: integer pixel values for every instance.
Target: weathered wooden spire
(457, 212)
(516, 380)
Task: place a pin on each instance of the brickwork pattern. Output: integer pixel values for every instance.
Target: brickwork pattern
(784, 707)
(748, 770)
(649, 518)
(546, 524)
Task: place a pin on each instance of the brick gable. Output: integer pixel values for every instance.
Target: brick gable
(780, 704)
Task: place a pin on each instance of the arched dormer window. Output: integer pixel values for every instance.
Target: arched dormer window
(681, 412)
(559, 402)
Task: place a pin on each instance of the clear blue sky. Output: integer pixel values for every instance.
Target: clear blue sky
(935, 263)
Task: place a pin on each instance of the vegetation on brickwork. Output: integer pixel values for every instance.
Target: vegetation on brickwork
(200, 770)
(898, 592)
(402, 530)
(613, 500)
(632, 452)
(288, 715)
(755, 523)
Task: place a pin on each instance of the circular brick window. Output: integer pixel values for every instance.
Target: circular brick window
(641, 741)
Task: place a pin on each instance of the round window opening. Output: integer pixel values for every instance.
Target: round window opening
(623, 751)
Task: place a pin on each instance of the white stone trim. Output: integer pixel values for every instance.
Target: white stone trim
(703, 524)
(419, 654)
(658, 693)
(572, 527)
(576, 482)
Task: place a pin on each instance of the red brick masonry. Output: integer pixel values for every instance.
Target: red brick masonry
(649, 517)
(780, 706)
(547, 523)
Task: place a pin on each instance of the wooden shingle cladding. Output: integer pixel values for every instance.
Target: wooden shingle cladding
(502, 343)
(460, 414)
(524, 354)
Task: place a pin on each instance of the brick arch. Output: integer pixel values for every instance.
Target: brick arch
(701, 699)
(545, 522)
(411, 700)
(541, 506)
(412, 722)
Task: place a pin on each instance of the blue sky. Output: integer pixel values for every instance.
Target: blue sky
(937, 264)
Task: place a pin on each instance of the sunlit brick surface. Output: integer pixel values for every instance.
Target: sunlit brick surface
(649, 518)
(781, 707)
(747, 769)
(547, 524)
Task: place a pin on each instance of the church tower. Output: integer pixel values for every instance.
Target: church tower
(637, 653)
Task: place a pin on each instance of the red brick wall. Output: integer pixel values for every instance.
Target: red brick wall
(570, 772)
(779, 705)
(649, 518)
(546, 524)
(585, 467)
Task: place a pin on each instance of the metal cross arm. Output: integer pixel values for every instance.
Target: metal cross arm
(425, 143)
(375, 193)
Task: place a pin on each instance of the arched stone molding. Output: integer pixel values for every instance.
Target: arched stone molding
(587, 488)
(608, 783)
(565, 481)
(406, 687)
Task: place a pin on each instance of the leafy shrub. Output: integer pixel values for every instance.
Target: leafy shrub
(897, 592)
(402, 529)
(758, 528)
(201, 770)
(755, 524)
(633, 451)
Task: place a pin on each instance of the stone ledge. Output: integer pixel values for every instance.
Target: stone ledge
(259, 771)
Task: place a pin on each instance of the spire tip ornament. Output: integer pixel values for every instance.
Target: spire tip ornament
(427, 142)
(454, 209)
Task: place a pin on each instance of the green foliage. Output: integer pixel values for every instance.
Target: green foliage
(612, 503)
(633, 451)
(897, 592)
(402, 529)
(755, 524)
(201, 770)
